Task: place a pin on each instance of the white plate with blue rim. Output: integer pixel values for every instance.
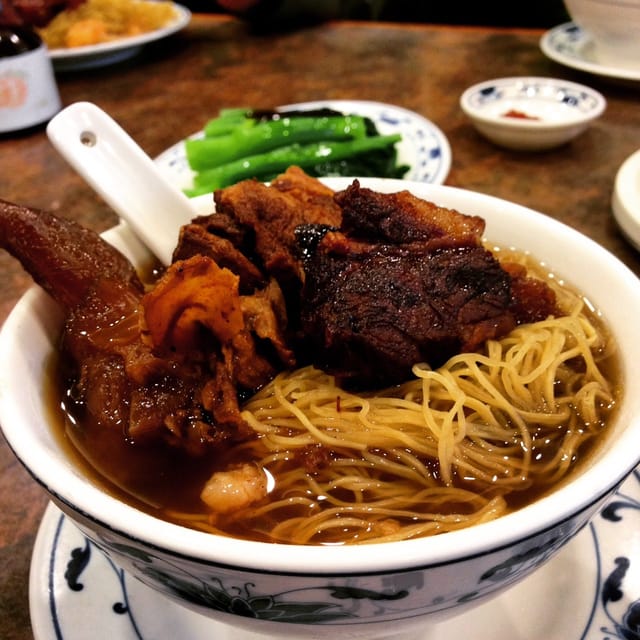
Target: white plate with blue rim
(107, 53)
(573, 47)
(589, 591)
(423, 148)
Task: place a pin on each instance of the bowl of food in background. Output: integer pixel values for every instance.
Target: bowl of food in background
(529, 113)
(613, 26)
(340, 503)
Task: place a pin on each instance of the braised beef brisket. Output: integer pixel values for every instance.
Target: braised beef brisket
(371, 312)
(401, 218)
(403, 281)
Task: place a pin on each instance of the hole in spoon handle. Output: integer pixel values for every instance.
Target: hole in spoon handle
(122, 174)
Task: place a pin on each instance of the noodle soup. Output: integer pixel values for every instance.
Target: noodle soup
(351, 590)
(485, 434)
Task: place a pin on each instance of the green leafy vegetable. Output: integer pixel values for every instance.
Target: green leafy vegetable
(241, 144)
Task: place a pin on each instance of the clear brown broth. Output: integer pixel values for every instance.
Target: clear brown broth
(160, 479)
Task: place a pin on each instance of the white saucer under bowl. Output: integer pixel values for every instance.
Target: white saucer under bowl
(625, 201)
(589, 591)
(573, 47)
(531, 113)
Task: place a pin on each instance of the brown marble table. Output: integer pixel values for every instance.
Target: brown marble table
(170, 90)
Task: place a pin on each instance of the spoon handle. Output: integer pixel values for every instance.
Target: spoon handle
(122, 174)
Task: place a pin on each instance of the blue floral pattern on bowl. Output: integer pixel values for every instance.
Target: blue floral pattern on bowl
(564, 94)
(615, 612)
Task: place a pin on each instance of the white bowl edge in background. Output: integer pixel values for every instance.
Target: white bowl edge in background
(613, 26)
(625, 201)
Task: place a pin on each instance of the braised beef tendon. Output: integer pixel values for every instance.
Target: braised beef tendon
(63, 257)
(124, 376)
(196, 316)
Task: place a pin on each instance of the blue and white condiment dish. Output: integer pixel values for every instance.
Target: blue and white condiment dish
(531, 113)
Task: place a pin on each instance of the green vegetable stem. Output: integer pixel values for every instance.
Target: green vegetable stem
(227, 121)
(253, 139)
(242, 143)
(279, 159)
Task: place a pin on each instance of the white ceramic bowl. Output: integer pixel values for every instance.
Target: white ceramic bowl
(625, 201)
(614, 27)
(365, 591)
(529, 113)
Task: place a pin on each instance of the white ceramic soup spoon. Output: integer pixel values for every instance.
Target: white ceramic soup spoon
(123, 175)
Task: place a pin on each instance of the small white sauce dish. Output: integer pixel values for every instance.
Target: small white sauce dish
(625, 201)
(531, 113)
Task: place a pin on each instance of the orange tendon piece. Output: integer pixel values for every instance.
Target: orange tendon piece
(193, 294)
